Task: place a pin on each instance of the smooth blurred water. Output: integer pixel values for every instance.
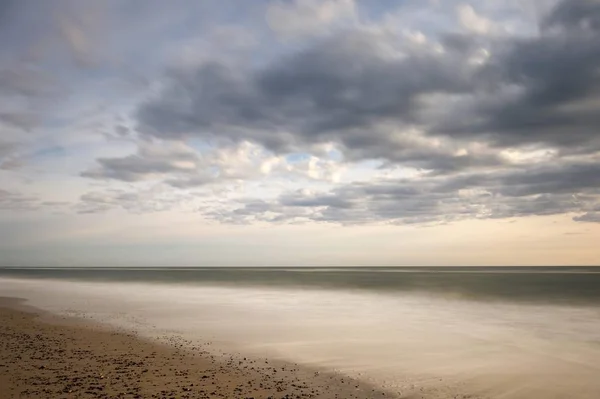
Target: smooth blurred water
(526, 284)
(502, 333)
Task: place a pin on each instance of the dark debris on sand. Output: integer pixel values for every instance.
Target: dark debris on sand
(40, 359)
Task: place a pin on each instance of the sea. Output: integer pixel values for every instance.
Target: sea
(489, 332)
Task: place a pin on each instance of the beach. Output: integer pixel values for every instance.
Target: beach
(429, 334)
(45, 356)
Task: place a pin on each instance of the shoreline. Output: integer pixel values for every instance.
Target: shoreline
(408, 347)
(44, 355)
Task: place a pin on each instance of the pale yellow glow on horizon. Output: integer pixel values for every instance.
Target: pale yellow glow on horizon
(191, 240)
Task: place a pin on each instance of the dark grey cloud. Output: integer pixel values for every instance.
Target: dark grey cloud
(593, 217)
(450, 110)
(557, 179)
(314, 201)
(132, 201)
(198, 180)
(122, 130)
(175, 164)
(555, 84)
(345, 87)
(182, 166)
(150, 160)
(343, 90)
(548, 190)
(575, 14)
(251, 210)
(132, 168)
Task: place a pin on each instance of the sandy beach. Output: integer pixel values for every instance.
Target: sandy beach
(137, 339)
(46, 356)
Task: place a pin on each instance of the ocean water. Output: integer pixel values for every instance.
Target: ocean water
(438, 332)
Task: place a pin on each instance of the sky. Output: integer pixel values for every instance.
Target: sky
(299, 132)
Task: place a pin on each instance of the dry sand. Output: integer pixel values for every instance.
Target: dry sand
(45, 356)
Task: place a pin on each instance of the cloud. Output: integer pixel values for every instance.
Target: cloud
(363, 88)
(20, 120)
(307, 199)
(181, 166)
(469, 113)
(308, 17)
(347, 89)
(593, 217)
(23, 80)
(14, 201)
(473, 22)
(517, 192)
(542, 89)
(142, 200)
(26, 95)
(501, 123)
(151, 160)
(575, 14)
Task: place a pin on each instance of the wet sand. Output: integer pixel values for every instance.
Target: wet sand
(46, 356)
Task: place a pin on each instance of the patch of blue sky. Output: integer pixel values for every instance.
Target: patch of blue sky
(297, 157)
(201, 145)
(214, 171)
(335, 155)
